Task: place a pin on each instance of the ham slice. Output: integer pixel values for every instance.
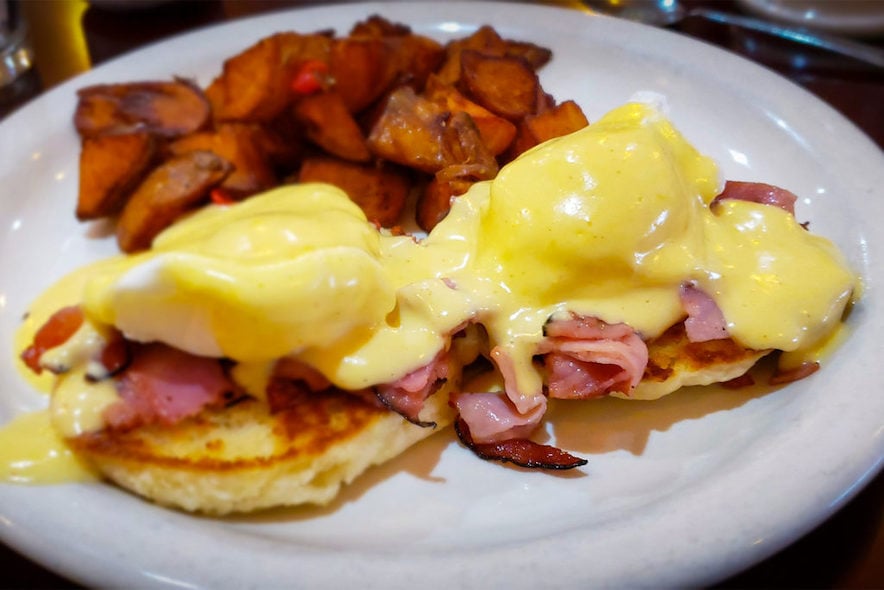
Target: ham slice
(520, 451)
(586, 357)
(491, 417)
(705, 321)
(406, 396)
(757, 192)
(165, 385)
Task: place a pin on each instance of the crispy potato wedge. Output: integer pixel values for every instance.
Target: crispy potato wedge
(282, 142)
(507, 86)
(419, 133)
(240, 145)
(484, 40)
(296, 48)
(328, 123)
(110, 167)
(497, 133)
(433, 204)
(537, 56)
(362, 68)
(253, 85)
(168, 109)
(378, 26)
(381, 191)
(415, 57)
(562, 119)
(169, 191)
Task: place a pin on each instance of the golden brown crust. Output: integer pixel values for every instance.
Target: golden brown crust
(675, 362)
(245, 458)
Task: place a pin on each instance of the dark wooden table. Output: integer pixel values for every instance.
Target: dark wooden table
(70, 36)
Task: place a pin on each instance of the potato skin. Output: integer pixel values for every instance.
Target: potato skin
(110, 167)
(170, 190)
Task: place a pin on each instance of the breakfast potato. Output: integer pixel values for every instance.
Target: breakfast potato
(378, 26)
(419, 133)
(484, 40)
(281, 141)
(507, 86)
(362, 108)
(362, 69)
(327, 122)
(554, 122)
(110, 166)
(170, 190)
(381, 191)
(169, 109)
(416, 58)
(496, 132)
(487, 41)
(240, 145)
(433, 203)
(253, 85)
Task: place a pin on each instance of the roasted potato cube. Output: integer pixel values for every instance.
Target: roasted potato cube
(363, 69)
(296, 48)
(239, 144)
(253, 85)
(381, 191)
(433, 204)
(110, 167)
(282, 142)
(419, 133)
(488, 41)
(328, 123)
(556, 122)
(497, 133)
(485, 40)
(536, 55)
(378, 26)
(414, 57)
(506, 86)
(168, 109)
(170, 190)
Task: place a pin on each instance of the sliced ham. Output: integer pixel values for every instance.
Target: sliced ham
(525, 402)
(586, 357)
(165, 385)
(406, 396)
(520, 451)
(705, 321)
(492, 417)
(757, 192)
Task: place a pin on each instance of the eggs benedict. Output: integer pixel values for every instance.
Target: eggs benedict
(267, 352)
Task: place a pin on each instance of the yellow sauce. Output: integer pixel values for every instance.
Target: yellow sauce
(609, 221)
(33, 452)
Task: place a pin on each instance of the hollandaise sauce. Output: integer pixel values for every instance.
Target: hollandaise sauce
(32, 451)
(610, 222)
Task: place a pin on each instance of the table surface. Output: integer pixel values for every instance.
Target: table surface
(847, 551)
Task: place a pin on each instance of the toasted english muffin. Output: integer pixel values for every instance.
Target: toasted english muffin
(245, 458)
(675, 362)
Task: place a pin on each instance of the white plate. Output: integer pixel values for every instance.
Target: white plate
(680, 492)
(861, 18)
